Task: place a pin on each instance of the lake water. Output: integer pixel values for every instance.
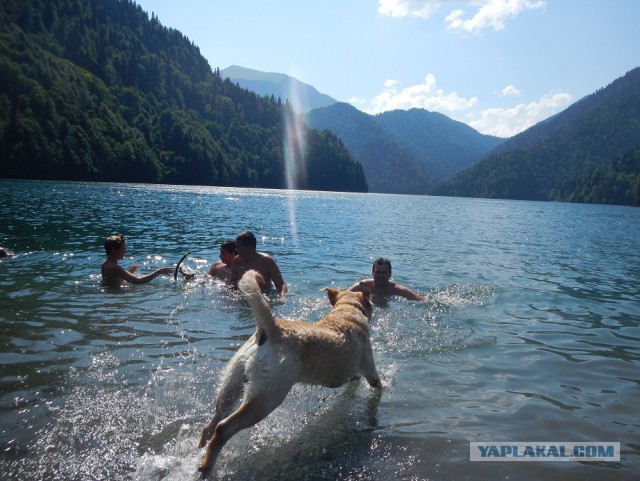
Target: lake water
(531, 332)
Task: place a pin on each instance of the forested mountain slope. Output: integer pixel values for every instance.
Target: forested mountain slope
(445, 146)
(97, 90)
(615, 183)
(404, 152)
(545, 160)
(389, 167)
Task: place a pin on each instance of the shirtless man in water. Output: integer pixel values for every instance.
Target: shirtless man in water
(381, 285)
(222, 269)
(248, 258)
(114, 274)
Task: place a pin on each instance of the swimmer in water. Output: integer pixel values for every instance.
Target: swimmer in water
(114, 274)
(248, 258)
(222, 269)
(381, 285)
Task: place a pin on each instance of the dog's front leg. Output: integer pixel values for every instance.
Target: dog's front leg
(369, 369)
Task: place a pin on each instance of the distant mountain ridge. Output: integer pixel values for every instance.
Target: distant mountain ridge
(404, 152)
(388, 166)
(568, 156)
(445, 146)
(302, 96)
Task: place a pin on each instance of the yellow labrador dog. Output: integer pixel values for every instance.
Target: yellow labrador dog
(281, 353)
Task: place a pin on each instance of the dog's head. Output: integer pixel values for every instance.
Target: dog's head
(358, 300)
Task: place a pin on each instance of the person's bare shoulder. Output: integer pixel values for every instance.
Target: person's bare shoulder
(264, 263)
(111, 268)
(113, 273)
(215, 268)
(361, 286)
(264, 257)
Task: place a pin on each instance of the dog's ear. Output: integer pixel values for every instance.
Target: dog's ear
(332, 294)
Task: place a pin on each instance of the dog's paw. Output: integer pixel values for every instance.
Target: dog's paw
(203, 469)
(375, 382)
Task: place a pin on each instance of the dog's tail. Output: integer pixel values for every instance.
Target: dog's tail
(250, 287)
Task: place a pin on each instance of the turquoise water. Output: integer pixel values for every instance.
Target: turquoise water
(530, 333)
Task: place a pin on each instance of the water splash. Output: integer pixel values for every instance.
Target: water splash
(459, 295)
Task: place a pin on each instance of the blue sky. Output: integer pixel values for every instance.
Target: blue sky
(498, 65)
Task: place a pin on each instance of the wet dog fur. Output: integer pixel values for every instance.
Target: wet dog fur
(281, 353)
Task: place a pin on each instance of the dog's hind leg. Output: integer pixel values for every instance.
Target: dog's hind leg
(228, 397)
(251, 412)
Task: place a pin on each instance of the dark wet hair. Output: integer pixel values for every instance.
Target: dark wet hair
(381, 261)
(247, 239)
(113, 242)
(228, 245)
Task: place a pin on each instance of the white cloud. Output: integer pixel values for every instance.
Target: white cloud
(487, 13)
(422, 96)
(511, 121)
(414, 8)
(502, 122)
(391, 84)
(510, 91)
(492, 14)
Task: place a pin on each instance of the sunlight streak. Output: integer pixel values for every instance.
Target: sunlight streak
(294, 149)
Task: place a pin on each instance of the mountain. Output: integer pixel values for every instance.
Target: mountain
(445, 146)
(303, 97)
(615, 183)
(388, 166)
(404, 152)
(419, 148)
(543, 162)
(98, 91)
